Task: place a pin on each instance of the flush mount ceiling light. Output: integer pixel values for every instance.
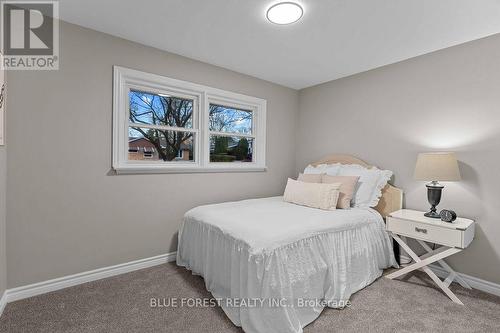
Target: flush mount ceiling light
(285, 13)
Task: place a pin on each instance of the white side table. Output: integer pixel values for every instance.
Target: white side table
(453, 238)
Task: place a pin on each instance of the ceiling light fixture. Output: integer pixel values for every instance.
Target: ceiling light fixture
(285, 13)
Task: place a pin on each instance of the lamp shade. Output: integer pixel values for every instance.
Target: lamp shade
(437, 167)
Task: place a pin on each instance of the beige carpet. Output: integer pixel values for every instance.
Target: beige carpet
(122, 304)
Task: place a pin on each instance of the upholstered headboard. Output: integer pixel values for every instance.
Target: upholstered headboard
(392, 197)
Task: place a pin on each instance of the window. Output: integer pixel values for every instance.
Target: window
(148, 153)
(231, 138)
(166, 125)
(161, 123)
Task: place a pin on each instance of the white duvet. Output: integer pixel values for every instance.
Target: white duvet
(274, 265)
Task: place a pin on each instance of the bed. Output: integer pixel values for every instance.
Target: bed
(274, 266)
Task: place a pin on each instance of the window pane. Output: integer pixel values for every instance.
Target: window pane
(231, 120)
(230, 149)
(153, 109)
(147, 144)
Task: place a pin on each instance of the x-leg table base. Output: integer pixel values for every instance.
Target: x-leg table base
(430, 257)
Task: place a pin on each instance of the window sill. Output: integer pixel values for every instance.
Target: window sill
(124, 170)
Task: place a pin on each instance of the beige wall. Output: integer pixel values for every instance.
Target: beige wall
(66, 211)
(3, 186)
(447, 100)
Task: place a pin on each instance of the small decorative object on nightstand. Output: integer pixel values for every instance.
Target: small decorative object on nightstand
(453, 237)
(435, 167)
(448, 215)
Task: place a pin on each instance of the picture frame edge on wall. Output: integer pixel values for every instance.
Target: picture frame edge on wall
(2, 103)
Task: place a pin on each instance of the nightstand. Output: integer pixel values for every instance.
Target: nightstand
(453, 238)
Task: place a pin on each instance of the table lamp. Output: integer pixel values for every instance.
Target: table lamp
(435, 167)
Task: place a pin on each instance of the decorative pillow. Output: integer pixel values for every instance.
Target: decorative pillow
(370, 184)
(346, 189)
(316, 170)
(322, 196)
(310, 178)
(333, 169)
(330, 169)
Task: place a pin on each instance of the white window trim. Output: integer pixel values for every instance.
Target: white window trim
(125, 78)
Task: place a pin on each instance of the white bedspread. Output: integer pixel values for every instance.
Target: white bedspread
(272, 263)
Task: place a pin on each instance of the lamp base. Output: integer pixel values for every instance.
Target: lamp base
(434, 215)
(434, 190)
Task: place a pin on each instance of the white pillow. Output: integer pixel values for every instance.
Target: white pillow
(370, 184)
(314, 195)
(333, 169)
(329, 169)
(314, 170)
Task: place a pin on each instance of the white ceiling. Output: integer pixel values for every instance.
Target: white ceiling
(334, 38)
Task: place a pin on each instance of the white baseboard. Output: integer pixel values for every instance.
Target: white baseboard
(474, 282)
(3, 302)
(39, 288)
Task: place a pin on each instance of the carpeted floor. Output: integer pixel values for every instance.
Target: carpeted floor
(122, 304)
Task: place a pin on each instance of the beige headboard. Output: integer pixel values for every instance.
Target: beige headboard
(392, 197)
